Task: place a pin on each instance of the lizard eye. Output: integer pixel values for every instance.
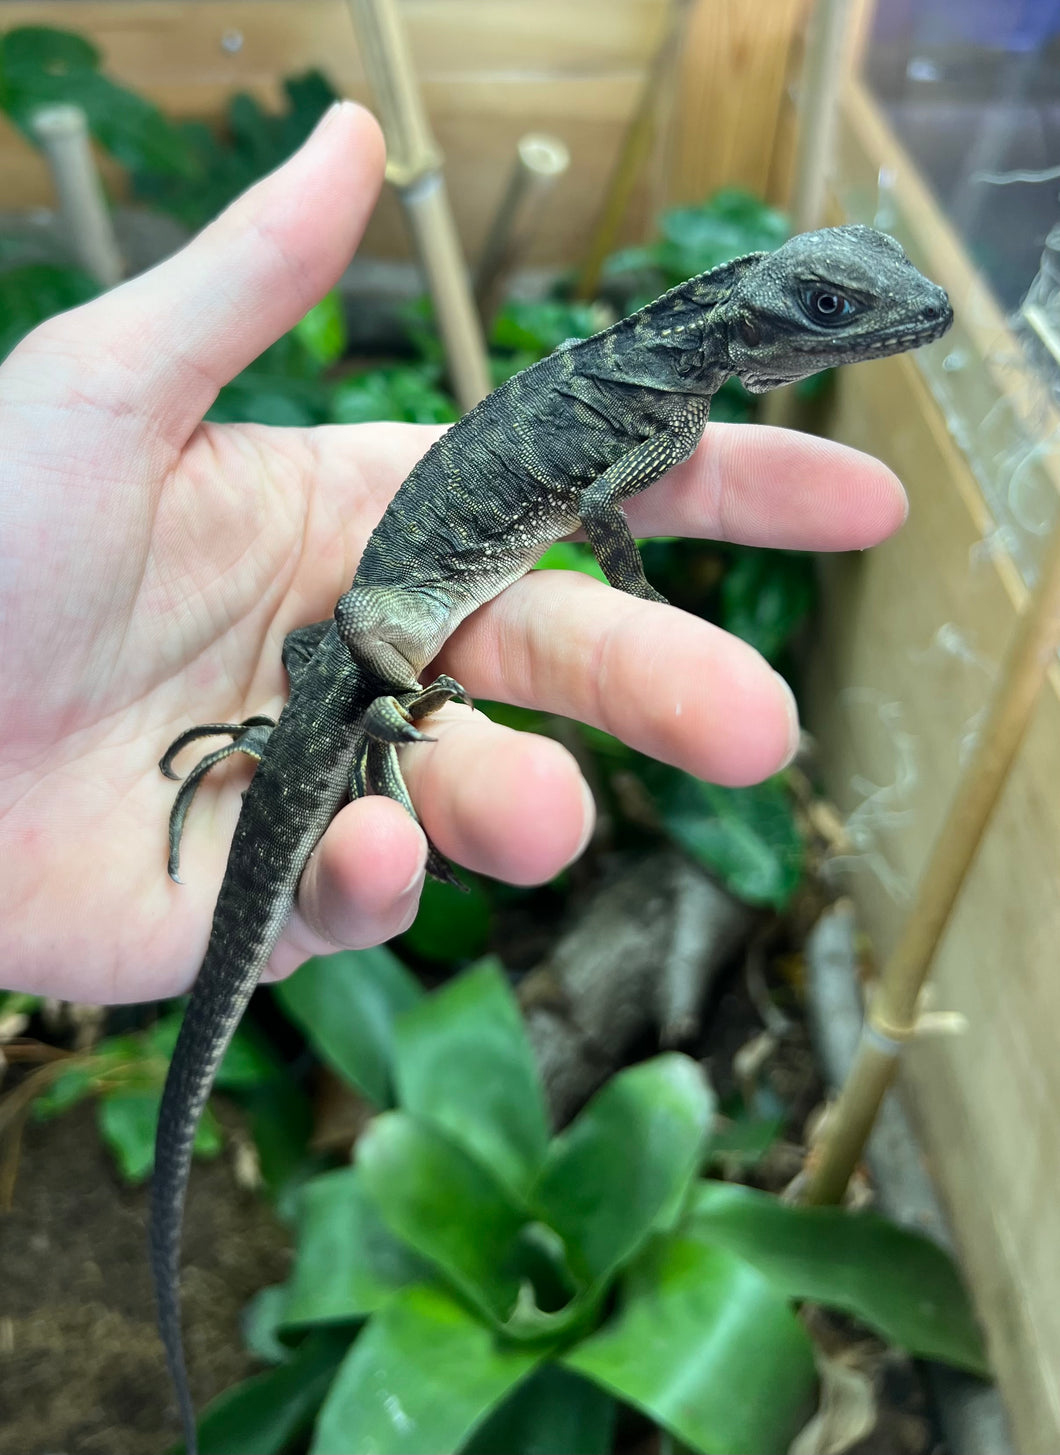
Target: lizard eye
(827, 308)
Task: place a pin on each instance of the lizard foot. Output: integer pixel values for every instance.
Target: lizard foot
(376, 769)
(248, 737)
(390, 719)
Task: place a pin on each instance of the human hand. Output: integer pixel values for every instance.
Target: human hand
(153, 565)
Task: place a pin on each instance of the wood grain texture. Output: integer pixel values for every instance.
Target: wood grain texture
(731, 89)
(491, 70)
(912, 634)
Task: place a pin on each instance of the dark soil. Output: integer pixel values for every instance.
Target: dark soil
(81, 1368)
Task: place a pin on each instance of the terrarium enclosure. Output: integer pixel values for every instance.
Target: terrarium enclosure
(939, 122)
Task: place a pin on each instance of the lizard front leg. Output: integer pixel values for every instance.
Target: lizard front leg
(599, 504)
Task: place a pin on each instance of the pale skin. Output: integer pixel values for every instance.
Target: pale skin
(151, 564)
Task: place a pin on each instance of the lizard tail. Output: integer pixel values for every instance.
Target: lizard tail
(204, 1037)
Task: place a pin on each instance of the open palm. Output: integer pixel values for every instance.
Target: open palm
(150, 566)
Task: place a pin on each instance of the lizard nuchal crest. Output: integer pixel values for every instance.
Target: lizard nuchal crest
(560, 445)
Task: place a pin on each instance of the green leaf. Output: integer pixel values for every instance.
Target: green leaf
(127, 1123)
(401, 392)
(571, 556)
(420, 1378)
(766, 596)
(347, 1263)
(265, 1414)
(346, 1005)
(748, 837)
(894, 1280)
(551, 1413)
(34, 292)
(42, 67)
(68, 1088)
(536, 328)
(624, 1166)
(705, 1346)
(451, 924)
(261, 1321)
(322, 332)
(445, 1206)
(463, 1063)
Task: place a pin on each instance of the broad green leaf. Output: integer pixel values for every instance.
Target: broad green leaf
(894, 1280)
(34, 292)
(42, 67)
(322, 332)
(265, 1414)
(766, 596)
(346, 1005)
(451, 923)
(553, 1412)
(418, 1381)
(446, 1206)
(624, 1166)
(571, 556)
(347, 1264)
(463, 1062)
(249, 1060)
(261, 1321)
(401, 392)
(747, 836)
(281, 1122)
(68, 1088)
(127, 1123)
(706, 1347)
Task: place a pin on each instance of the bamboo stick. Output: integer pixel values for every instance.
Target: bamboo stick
(891, 1018)
(828, 48)
(414, 167)
(62, 132)
(632, 155)
(540, 161)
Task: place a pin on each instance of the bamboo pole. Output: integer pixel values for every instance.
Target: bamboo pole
(414, 168)
(823, 74)
(633, 153)
(829, 46)
(540, 161)
(62, 132)
(891, 1018)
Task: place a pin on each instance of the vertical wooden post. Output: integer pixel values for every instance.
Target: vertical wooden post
(414, 167)
(63, 135)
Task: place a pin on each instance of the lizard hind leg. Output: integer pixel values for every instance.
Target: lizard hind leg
(383, 775)
(248, 737)
(375, 767)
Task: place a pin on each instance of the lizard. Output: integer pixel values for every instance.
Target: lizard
(557, 447)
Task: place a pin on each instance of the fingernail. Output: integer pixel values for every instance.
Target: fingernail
(415, 884)
(329, 117)
(589, 809)
(793, 721)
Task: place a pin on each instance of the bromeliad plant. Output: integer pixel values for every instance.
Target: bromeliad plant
(476, 1284)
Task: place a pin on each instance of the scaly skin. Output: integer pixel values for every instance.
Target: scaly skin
(560, 445)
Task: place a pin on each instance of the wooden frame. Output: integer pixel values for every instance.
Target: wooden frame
(912, 635)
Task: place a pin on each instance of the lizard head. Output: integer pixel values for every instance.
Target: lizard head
(826, 298)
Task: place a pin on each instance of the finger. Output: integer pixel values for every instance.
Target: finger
(507, 804)
(361, 885)
(666, 683)
(510, 804)
(172, 336)
(773, 487)
(746, 483)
